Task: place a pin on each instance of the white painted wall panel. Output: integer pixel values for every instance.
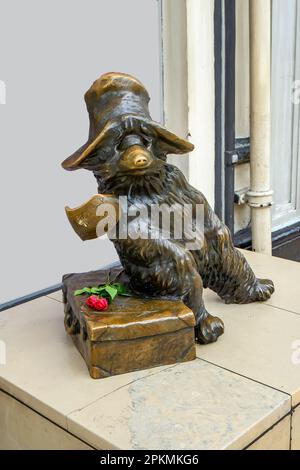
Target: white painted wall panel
(285, 112)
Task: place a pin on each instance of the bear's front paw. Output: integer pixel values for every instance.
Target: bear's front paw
(209, 329)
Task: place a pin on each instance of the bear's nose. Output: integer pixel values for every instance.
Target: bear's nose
(136, 157)
(141, 161)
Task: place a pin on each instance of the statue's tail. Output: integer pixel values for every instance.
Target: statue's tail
(230, 275)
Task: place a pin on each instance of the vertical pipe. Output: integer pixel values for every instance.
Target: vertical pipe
(229, 111)
(260, 195)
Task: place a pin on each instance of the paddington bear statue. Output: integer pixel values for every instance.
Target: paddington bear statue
(127, 153)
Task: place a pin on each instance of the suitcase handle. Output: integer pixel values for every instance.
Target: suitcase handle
(72, 324)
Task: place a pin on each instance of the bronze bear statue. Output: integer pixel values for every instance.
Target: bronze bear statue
(127, 152)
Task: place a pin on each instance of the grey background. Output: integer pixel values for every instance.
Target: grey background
(50, 53)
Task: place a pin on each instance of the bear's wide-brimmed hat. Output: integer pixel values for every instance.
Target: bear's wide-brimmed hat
(111, 101)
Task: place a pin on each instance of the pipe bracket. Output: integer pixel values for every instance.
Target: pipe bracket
(260, 199)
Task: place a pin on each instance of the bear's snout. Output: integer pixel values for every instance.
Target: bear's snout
(136, 157)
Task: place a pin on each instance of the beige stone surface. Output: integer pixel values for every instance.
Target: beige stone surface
(296, 429)
(277, 438)
(23, 429)
(56, 296)
(284, 273)
(258, 343)
(188, 406)
(242, 385)
(44, 369)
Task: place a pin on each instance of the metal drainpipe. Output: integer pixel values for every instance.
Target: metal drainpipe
(260, 195)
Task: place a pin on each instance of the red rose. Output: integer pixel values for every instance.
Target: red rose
(97, 303)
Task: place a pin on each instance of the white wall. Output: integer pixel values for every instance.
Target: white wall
(285, 148)
(189, 99)
(51, 52)
(174, 35)
(201, 95)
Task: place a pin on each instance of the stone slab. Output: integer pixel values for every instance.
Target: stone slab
(23, 429)
(188, 406)
(235, 393)
(258, 343)
(44, 370)
(277, 438)
(296, 429)
(284, 273)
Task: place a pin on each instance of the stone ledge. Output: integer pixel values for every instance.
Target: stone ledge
(25, 429)
(238, 394)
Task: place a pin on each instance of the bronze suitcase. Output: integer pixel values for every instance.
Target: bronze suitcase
(133, 334)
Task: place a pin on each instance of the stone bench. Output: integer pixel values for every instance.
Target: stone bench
(242, 392)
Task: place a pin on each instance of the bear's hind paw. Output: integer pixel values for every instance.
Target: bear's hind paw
(263, 290)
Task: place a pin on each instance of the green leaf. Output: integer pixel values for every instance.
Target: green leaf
(122, 290)
(97, 290)
(94, 290)
(112, 291)
(85, 290)
(119, 287)
(109, 291)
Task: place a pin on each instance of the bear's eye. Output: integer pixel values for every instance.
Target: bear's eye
(96, 157)
(120, 147)
(129, 140)
(147, 141)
